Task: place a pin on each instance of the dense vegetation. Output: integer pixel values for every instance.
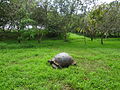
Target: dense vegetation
(57, 18)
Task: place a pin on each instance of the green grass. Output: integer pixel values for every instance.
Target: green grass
(24, 66)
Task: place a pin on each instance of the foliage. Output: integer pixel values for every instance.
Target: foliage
(103, 20)
(59, 17)
(26, 22)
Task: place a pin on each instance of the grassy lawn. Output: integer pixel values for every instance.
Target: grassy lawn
(24, 66)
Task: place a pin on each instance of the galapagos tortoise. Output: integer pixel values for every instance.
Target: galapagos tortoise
(62, 60)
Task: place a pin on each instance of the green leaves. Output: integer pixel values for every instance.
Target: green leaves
(26, 21)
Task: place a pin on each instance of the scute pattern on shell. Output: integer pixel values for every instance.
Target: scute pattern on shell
(63, 60)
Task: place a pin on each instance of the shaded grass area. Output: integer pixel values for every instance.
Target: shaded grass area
(24, 66)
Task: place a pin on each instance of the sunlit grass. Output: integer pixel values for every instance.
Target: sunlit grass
(24, 66)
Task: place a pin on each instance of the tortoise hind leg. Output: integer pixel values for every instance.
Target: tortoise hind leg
(74, 63)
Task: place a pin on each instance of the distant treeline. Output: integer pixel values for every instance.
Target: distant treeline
(57, 18)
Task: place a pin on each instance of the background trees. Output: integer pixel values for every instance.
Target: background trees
(59, 17)
(102, 21)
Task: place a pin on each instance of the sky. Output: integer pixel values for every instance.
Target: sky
(107, 1)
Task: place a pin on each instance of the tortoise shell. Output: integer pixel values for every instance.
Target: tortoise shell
(62, 60)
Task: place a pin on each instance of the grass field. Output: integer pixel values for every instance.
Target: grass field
(24, 66)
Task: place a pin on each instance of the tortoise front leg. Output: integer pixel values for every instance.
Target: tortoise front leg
(54, 66)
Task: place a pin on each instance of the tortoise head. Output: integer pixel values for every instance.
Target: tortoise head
(50, 61)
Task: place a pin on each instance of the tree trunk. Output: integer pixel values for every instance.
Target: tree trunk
(91, 38)
(102, 41)
(3, 29)
(65, 37)
(65, 34)
(85, 40)
(40, 37)
(118, 34)
(9, 27)
(19, 37)
(19, 41)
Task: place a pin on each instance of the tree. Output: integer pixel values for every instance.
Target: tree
(39, 16)
(66, 9)
(103, 20)
(109, 20)
(4, 17)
